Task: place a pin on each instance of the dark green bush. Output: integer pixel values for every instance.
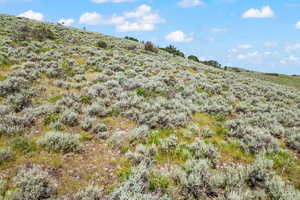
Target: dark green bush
(194, 58)
(173, 50)
(131, 38)
(102, 44)
(212, 63)
(4, 60)
(149, 46)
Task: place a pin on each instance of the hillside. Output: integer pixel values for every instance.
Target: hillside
(281, 79)
(87, 116)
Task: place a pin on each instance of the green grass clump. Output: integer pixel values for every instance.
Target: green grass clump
(85, 99)
(124, 173)
(158, 182)
(23, 145)
(287, 166)
(51, 118)
(54, 99)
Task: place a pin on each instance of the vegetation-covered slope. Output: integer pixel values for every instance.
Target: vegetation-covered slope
(281, 79)
(88, 116)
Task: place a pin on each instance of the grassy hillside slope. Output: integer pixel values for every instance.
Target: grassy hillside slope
(86, 116)
(281, 79)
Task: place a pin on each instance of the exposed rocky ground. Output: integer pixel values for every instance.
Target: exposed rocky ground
(86, 116)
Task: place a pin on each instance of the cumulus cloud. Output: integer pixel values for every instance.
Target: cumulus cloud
(178, 36)
(66, 22)
(140, 19)
(111, 1)
(298, 25)
(189, 3)
(90, 18)
(32, 15)
(264, 12)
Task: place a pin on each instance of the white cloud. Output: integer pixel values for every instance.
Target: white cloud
(219, 30)
(298, 25)
(247, 56)
(141, 19)
(232, 50)
(245, 46)
(139, 12)
(265, 12)
(189, 3)
(90, 18)
(292, 47)
(111, 1)
(267, 53)
(290, 59)
(270, 44)
(66, 22)
(178, 36)
(32, 15)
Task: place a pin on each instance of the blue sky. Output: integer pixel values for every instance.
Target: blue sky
(261, 35)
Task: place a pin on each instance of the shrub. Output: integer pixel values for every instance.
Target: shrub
(202, 150)
(131, 38)
(33, 183)
(260, 172)
(102, 44)
(136, 187)
(293, 142)
(169, 143)
(212, 63)
(19, 101)
(89, 193)
(277, 189)
(60, 142)
(207, 133)
(139, 132)
(69, 118)
(87, 123)
(196, 180)
(193, 58)
(194, 128)
(40, 33)
(6, 155)
(173, 50)
(149, 46)
(100, 128)
(142, 153)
